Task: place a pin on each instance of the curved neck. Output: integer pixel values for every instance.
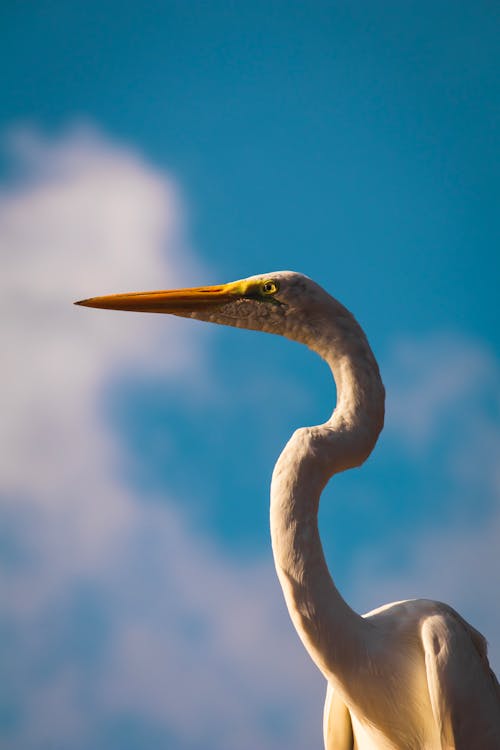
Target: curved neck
(333, 634)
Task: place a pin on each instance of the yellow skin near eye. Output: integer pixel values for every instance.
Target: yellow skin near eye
(253, 289)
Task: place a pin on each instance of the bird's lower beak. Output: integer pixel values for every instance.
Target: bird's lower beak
(173, 301)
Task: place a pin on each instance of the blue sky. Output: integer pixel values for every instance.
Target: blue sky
(144, 147)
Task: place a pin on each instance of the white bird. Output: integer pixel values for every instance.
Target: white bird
(411, 675)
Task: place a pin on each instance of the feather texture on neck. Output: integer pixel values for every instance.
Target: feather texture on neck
(333, 634)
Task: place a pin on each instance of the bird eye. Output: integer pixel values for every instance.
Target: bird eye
(269, 287)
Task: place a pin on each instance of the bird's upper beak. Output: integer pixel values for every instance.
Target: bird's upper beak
(173, 301)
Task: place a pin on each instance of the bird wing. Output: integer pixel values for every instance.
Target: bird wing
(337, 727)
(464, 692)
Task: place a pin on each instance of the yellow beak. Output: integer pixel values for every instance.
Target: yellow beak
(173, 301)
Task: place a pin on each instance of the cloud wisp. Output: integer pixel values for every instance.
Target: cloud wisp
(444, 413)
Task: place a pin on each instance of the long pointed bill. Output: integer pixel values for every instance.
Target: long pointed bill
(173, 301)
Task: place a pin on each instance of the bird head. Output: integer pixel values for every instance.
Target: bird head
(283, 302)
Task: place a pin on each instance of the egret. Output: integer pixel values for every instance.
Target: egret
(411, 675)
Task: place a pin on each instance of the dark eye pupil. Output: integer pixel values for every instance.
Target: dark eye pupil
(268, 287)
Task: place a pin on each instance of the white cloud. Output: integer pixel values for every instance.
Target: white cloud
(91, 218)
(431, 377)
(188, 641)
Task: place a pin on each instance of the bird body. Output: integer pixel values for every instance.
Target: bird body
(423, 683)
(411, 675)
